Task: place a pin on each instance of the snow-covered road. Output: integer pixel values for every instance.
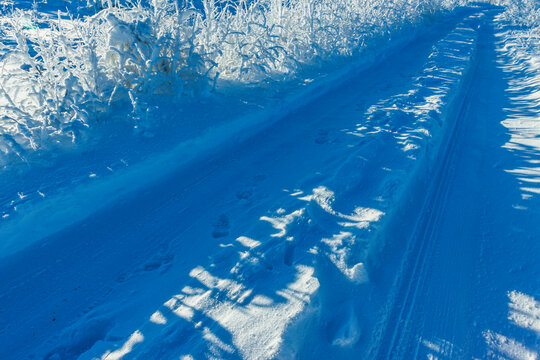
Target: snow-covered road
(472, 254)
(394, 217)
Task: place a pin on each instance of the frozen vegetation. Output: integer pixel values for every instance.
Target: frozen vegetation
(524, 16)
(60, 73)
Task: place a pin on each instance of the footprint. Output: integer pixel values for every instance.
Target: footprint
(79, 338)
(322, 137)
(244, 194)
(221, 227)
(288, 258)
(160, 260)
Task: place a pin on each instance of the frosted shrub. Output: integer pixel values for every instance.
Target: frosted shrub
(525, 16)
(61, 74)
(523, 12)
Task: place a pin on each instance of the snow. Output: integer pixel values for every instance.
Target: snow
(379, 206)
(74, 70)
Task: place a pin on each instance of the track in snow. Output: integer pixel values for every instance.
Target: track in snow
(432, 248)
(458, 283)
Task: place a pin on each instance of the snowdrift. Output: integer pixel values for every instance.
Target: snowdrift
(61, 74)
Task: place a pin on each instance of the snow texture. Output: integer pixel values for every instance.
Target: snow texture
(271, 180)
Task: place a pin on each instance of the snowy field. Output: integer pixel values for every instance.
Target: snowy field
(268, 179)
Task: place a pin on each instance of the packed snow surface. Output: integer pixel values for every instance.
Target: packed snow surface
(267, 179)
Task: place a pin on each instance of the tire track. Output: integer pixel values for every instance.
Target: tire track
(411, 277)
(423, 241)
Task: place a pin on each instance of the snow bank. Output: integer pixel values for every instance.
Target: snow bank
(61, 74)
